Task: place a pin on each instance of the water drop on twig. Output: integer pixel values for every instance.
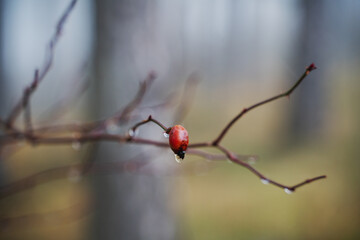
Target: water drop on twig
(133, 133)
(265, 181)
(288, 191)
(166, 135)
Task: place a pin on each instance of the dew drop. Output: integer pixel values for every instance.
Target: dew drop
(178, 159)
(133, 133)
(288, 191)
(166, 135)
(265, 181)
(76, 145)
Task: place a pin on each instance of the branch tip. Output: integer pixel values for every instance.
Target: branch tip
(311, 67)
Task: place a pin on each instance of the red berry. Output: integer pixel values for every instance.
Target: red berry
(178, 140)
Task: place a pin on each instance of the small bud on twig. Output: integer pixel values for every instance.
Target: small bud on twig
(311, 67)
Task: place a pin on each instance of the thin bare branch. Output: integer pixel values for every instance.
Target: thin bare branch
(265, 180)
(149, 119)
(310, 68)
(85, 132)
(40, 74)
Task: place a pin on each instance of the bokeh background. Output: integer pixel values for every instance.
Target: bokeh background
(242, 52)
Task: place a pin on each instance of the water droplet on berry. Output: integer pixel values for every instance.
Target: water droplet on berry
(288, 191)
(166, 135)
(178, 159)
(265, 181)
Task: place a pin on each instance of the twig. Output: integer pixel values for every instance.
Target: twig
(265, 180)
(230, 155)
(92, 137)
(40, 74)
(310, 68)
(85, 132)
(149, 119)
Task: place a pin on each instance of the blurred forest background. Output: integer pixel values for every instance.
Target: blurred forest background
(243, 52)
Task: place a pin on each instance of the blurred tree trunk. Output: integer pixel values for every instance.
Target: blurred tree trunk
(2, 88)
(127, 205)
(3, 97)
(307, 117)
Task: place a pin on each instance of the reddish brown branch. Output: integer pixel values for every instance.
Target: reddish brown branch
(265, 180)
(149, 119)
(307, 181)
(40, 74)
(232, 156)
(91, 137)
(310, 68)
(85, 132)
